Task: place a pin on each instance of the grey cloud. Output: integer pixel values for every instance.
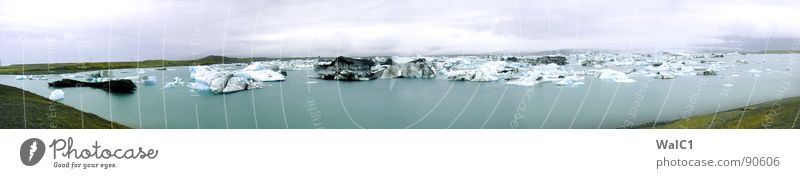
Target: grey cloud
(187, 29)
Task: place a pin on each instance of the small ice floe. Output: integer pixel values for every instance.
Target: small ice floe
(529, 79)
(727, 85)
(735, 75)
(141, 71)
(754, 71)
(310, 82)
(57, 94)
(31, 77)
(570, 81)
(664, 76)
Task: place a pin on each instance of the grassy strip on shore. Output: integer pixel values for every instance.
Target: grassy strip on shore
(775, 52)
(778, 114)
(38, 112)
(61, 68)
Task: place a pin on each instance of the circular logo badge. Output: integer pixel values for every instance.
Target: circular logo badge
(31, 151)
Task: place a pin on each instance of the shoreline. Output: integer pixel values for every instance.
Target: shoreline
(774, 114)
(23, 109)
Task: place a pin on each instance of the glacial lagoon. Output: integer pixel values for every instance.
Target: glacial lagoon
(436, 103)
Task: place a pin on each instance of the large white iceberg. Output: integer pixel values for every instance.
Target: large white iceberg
(221, 81)
(57, 94)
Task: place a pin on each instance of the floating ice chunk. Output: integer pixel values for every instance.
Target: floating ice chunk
(625, 80)
(199, 86)
(460, 75)
(149, 80)
(265, 75)
(400, 59)
(205, 74)
(235, 84)
(529, 79)
(483, 76)
(570, 81)
(754, 71)
(175, 82)
(218, 84)
(19, 77)
(611, 74)
(257, 66)
(727, 85)
(141, 71)
(471, 75)
(617, 76)
(57, 94)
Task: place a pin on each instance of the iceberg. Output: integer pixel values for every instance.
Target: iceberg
(57, 94)
(221, 81)
(345, 68)
(408, 68)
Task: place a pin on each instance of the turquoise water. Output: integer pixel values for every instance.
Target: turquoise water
(302, 102)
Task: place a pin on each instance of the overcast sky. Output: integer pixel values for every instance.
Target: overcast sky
(36, 31)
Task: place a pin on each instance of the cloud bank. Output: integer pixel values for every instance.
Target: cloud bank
(36, 31)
